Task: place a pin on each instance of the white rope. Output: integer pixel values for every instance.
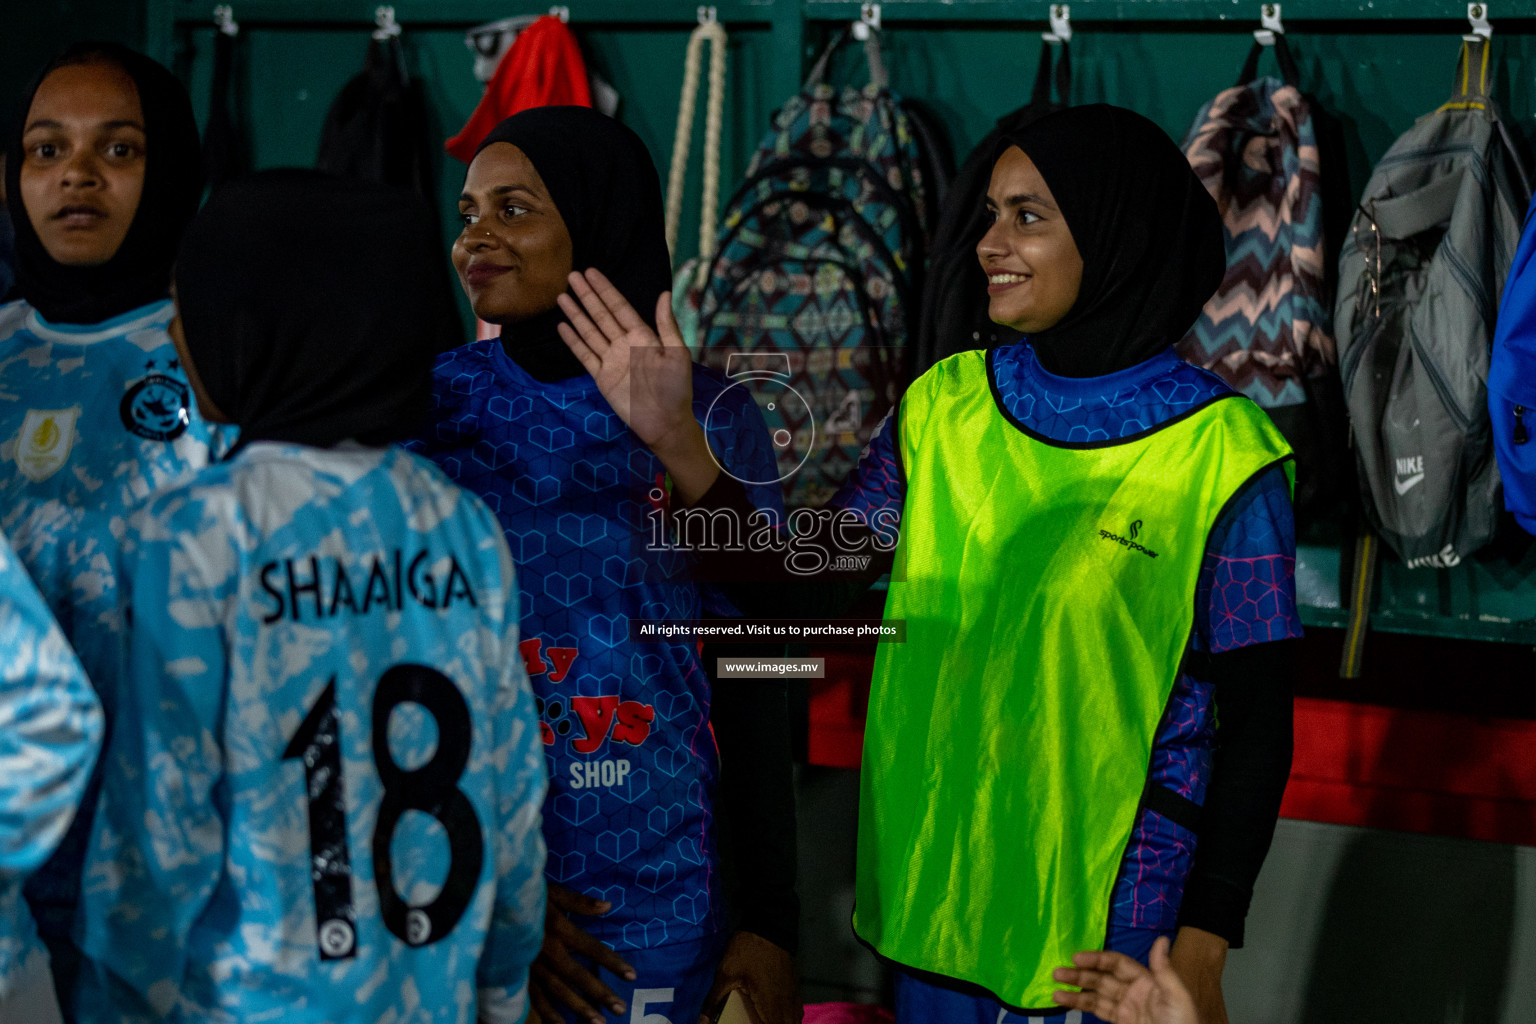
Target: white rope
(682, 140)
(714, 115)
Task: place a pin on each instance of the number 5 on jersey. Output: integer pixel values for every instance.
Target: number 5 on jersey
(433, 789)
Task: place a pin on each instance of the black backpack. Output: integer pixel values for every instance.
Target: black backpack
(225, 154)
(953, 313)
(379, 126)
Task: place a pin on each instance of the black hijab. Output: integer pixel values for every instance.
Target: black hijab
(140, 271)
(1148, 231)
(314, 306)
(604, 183)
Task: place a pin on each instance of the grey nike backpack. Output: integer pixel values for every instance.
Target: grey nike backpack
(1420, 276)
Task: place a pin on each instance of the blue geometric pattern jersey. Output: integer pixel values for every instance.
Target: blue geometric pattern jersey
(1084, 411)
(92, 419)
(1245, 594)
(320, 797)
(632, 761)
(50, 733)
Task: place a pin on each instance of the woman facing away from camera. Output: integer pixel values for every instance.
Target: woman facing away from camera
(320, 794)
(629, 726)
(1096, 554)
(103, 172)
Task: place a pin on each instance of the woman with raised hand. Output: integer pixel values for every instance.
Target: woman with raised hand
(103, 172)
(637, 921)
(1096, 552)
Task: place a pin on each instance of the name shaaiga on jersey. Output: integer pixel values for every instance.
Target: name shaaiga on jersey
(321, 588)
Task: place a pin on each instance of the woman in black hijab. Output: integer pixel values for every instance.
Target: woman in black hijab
(284, 599)
(519, 421)
(1147, 232)
(85, 250)
(103, 172)
(1039, 488)
(594, 180)
(285, 360)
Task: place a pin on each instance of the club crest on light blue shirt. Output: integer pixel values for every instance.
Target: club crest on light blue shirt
(157, 407)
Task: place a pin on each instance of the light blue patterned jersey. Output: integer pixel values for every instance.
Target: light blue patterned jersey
(50, 731)
(92, 419)
(321, 796)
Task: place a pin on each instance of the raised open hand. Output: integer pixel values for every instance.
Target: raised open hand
(648, 380)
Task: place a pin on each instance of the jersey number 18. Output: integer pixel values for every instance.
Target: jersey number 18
(432, 788)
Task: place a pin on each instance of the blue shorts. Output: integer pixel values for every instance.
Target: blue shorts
(670, 982)
(922, 1002)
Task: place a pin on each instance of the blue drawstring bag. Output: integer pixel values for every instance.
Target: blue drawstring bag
(1512, 382)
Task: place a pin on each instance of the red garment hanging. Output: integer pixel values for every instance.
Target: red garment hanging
(543, 68)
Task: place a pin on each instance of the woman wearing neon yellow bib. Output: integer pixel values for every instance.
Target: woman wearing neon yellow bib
(1096, 548)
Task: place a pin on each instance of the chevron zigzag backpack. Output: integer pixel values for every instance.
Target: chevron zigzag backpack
(816, 272)
(1268, 330)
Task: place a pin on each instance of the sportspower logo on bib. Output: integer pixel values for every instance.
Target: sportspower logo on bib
(157, 408)
(1129, 540)
(42, 446)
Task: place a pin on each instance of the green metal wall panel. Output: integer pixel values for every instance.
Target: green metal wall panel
(32, 30)
(292, 72)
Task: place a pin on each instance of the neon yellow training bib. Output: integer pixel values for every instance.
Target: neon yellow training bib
(1049, 593)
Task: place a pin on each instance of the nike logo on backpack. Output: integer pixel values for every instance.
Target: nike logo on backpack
(1409, 472)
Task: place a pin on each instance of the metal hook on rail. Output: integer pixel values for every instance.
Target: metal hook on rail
(1061, 25)
(708, 16)
(388, 27)
(224, 20)
(1477, 14)
(563, 13)
(1269, 18)
(869, 20)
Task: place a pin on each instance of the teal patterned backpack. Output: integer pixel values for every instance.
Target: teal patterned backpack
(808, 301)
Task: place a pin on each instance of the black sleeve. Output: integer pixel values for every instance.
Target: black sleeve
(757, 797)
(1254, 734)
(751, 717)
(761, 583)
